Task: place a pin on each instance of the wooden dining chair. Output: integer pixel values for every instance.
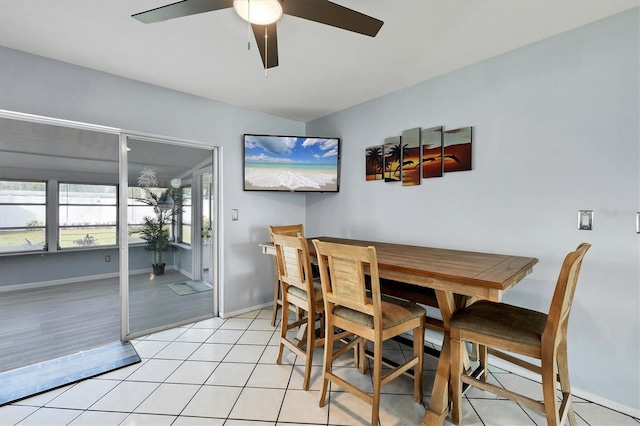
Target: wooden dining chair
(299, 290)
(368, 315)
(291, 230)
(498, 327)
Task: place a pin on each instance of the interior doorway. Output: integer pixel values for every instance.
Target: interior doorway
(170, 205)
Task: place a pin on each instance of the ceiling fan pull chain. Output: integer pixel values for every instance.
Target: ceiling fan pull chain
(248, 24)
(266, 53)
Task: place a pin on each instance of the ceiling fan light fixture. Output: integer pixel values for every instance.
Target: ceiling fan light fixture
(259, 12)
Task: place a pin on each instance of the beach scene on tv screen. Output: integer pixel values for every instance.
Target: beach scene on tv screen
(278, 163)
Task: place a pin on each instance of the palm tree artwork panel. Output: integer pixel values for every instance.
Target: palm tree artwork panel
(411, 157)
(374, 162)
(392, 159)
(457, 149)
(432, 152)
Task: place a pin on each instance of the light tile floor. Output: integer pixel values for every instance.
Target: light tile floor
(223, 372)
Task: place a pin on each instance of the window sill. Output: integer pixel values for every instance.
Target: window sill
(64, 250)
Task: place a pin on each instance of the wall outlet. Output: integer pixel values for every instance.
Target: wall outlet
(107, 258)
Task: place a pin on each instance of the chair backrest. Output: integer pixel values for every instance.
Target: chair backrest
(291, 230)
(342, 274)
(294, 266)
(558, 319)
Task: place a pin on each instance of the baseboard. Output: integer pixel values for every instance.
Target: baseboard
(523, 372)
(226, 315)
(183, 272)
(51, 283)
(588, 396)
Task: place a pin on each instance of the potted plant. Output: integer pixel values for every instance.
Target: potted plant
(156, 228)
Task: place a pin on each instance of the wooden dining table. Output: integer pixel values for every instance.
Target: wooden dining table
(455, 275)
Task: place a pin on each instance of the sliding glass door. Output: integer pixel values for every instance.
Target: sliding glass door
(169, 277)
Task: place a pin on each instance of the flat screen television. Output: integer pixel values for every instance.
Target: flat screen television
(291, 163)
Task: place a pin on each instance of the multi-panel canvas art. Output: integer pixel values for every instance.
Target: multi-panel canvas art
(411, 157)
(392, 158)
(432, 152)
(374, 162)
(457, 150)
(420, 153)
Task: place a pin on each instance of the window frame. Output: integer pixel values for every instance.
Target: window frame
(60, 227)
(45, 225)
(180, 218)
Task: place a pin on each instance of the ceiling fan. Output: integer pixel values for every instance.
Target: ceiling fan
(262, 15)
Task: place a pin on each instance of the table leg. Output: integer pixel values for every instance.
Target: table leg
(439, 403)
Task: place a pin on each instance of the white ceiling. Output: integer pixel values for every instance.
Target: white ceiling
(322, 69)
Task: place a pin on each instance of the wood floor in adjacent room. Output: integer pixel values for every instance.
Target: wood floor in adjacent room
(40, 324)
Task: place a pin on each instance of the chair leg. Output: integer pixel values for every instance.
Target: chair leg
(362, 357)
(565, 385)
(321, 324)
(284, 327)
(311, 337)
(356, 356)
(549, 374)
(328, 360)
(483, 356)
(456, 383)
(276, 292)
(377, 378)
(418, 351)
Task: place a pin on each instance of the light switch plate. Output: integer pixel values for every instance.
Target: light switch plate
(585, 220)
(234, 214)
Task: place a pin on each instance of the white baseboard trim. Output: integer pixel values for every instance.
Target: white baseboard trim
(51, 283)
(226, 315)
(588, 396)
(523, 372)
(183, 272)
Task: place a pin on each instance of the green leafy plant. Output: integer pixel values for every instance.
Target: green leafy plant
(206, 229)
(88, 240)
(155, 231)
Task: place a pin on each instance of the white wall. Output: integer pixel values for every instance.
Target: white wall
(556, 129)
(36, 85)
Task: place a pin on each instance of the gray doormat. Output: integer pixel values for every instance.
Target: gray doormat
(189, 287)
(33, 379)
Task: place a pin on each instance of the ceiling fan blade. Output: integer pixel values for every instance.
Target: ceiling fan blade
(181, 8)
(328, 13)
(268, 46)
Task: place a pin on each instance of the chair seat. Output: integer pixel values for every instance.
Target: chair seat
(301, 294)
(504, 321)
(394, 312)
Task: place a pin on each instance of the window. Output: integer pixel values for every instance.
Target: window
(23, 212)
(184, 217)
(87, 215)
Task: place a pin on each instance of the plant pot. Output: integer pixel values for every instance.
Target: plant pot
(158, 269)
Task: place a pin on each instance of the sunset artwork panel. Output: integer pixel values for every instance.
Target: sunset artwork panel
(432, 152)
(392, 158)
(374, 162)
(411, 157)
(457, 149)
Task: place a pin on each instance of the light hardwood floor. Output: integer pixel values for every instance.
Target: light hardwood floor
(46, 323)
